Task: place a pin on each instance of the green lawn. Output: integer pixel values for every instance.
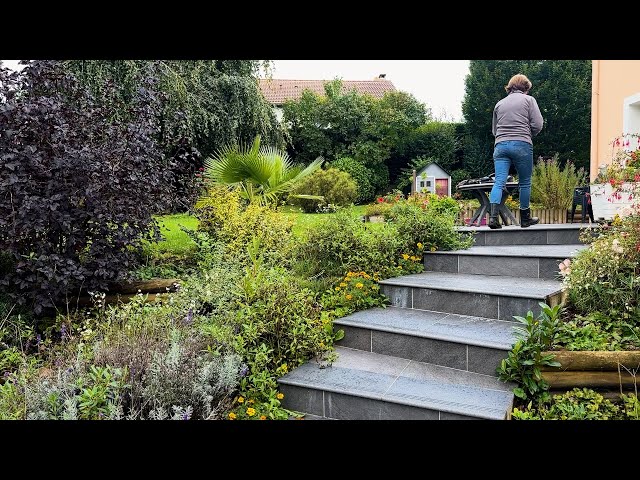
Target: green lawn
(175, 242)
(178, 243)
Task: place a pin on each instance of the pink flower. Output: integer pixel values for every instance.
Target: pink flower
(565, 267)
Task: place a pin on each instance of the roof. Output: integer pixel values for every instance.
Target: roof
(277, 91)
(418, 172)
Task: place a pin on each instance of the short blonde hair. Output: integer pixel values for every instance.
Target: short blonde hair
(518, 82)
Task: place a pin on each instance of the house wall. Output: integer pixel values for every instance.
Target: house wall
(615, 106)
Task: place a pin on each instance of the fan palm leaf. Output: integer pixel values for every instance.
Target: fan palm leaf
(262, 174)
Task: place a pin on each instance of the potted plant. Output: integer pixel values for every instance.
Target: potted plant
(617, 187)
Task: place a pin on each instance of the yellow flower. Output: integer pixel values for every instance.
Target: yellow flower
(400, 267)
(350, 274)
(405, 256)
(414, 258)
(240, 400)
(337, 289)
(433, 249)
(375, 287)
(251, 401)
(280, 396)
(420, 246)
(284, 368)
(367, 276)
(363, 274)
(348, 296)
(262, 417)
(232, 416)
(359, 285)
(343, 284)
(251, 411)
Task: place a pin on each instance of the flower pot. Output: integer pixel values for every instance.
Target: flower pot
(608, 202)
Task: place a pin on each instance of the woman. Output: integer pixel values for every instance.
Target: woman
(516, 119)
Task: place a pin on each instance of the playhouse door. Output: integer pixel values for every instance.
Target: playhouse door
(442, 187)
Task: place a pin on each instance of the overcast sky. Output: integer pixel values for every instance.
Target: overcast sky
(438, 83)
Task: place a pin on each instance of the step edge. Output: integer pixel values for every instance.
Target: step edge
(429, 335)
(466, 290)
(467, 253)
(429, 404)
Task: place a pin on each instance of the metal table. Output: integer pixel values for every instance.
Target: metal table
(481, 192)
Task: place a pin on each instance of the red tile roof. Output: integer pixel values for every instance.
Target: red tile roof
(277, 91)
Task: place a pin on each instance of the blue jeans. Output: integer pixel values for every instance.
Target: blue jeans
(521, 155)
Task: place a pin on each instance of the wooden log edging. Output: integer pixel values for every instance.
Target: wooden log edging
(572, 379)
(155, 285)
(593, 369)
(593, 360)
(156, 288)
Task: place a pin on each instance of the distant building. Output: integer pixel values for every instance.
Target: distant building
(433, 178)
(277, 91)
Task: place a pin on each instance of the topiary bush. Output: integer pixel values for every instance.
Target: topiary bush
(78, 185)
(337, 188)
(360, 174)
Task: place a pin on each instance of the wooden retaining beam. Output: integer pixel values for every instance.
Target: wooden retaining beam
(593, 369)
(593, 360)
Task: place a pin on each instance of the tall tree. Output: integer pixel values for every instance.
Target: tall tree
(563, 91)
(348, 124)
(207, 104)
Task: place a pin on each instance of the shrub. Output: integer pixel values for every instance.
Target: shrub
(342, 242)
(279, 327)
(418, 223)
(360, 174)
(78, 187)
(337, 188)
(553, 185)
(226, 219)
(604, 276)
(356, 291)
(183, 377)
(576, 404)
(523, 363)
(378, 208)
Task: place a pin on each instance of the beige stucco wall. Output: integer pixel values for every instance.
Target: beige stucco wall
(612, 82)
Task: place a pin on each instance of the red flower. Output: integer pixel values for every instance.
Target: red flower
(380, 200)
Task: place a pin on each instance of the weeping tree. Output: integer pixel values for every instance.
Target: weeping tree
(206, 104)
(262, 174)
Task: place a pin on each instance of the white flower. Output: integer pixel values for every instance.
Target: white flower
(616, 247)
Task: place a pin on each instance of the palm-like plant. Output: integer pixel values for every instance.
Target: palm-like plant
(263, 174)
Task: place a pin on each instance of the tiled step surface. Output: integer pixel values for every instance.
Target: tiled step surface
(531, 261)
(488, 296)
(369, 386)
(559, 234)
(468, 343)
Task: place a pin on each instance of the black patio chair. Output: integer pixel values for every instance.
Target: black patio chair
(581, 196)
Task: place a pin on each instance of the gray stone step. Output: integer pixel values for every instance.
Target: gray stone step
(545, 234)
(488, 296)
(369, 386)
(473, 344)
(531, 261)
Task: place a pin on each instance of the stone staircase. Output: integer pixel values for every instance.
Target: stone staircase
(433, 353)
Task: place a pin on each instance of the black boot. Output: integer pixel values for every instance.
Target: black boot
(493, 216)
(526, 220)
